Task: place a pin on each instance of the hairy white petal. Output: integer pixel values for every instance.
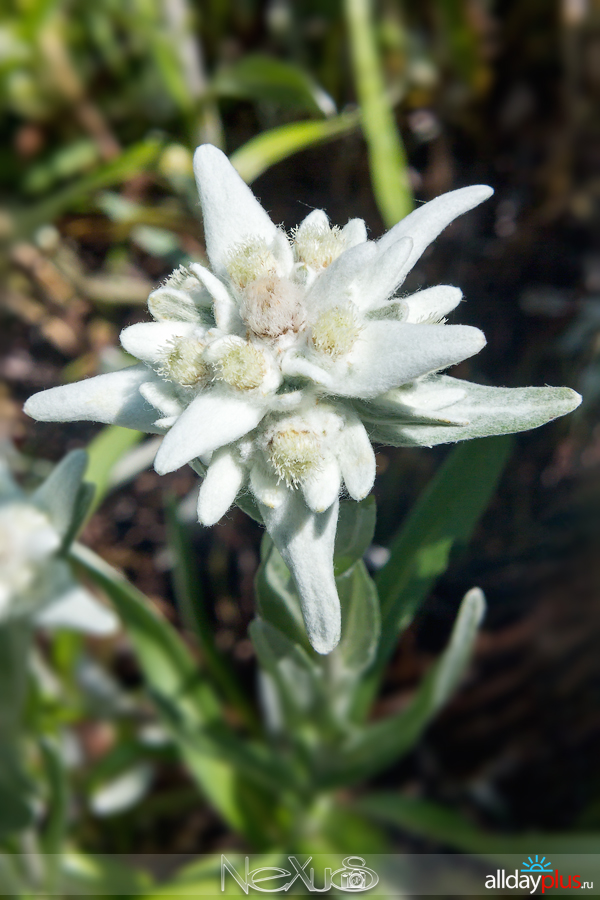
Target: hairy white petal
(223, 480)
(305, 541)
(432, 304)
(486, 411)
(78, 610)
(317, 218)
(230, 210)
(287, 402)
(389, 354)
(337, 284)
(266, 486)
(321, 486)
(355, 232)
(356, 459)
(113, 399)
(283, 253)
(378, 280)
(170, 304)
(149, 341)
(163, 397)
(227, 314)
(427, 221)
(214, 418)
(294, 365)
(428, 399)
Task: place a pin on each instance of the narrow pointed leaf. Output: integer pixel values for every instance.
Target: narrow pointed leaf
(356, 526)
(277, 601)
(59, 492)
(379, 745)
(446, 826)
(484, 411)
(180, 692)
(270, 147)
(361, 620)
(442, 521)
(192, 606)
(265, 78)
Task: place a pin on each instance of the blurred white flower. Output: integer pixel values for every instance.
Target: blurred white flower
(275, 369)
(35, 580)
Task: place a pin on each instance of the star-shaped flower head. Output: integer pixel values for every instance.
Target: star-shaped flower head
(35, 532)
(272, 370)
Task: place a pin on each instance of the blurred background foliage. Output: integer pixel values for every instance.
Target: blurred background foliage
(362, 109)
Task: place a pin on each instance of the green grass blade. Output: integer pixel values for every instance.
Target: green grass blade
(442, 520)
(104, 452)
(439, 823)
(138, 158)
(192, 606)
(270, 147)
(266, 79)
(55, 830)
(387, 156)
(172, 678)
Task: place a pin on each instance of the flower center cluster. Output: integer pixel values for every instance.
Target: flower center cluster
(271, 306)
(248, 261)
(318, 245)
(336, 330)
(183, 362)
(294, 451)
(242, 366)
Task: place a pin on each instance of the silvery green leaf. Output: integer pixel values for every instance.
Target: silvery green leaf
(361, 620)
(487, 410)
(305, 540)
(277, 600)
(356, 525)
(295, 674)
(248, 504)
(9, 489)
(83, 503)
(374, 747)
(58, 495)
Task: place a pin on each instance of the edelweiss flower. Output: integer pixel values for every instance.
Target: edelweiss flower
(273, 370)
(35, 581)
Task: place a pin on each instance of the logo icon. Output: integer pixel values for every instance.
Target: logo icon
(536, 865)
(354, 875)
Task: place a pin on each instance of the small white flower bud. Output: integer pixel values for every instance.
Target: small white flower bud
(272, 306)
(317, 245)
(294, 451)
(336, 330)
(180, 299)
(183, 362)
(249, 261)
(242, 365)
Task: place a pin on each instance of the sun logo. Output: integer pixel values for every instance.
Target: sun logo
(536, 865)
